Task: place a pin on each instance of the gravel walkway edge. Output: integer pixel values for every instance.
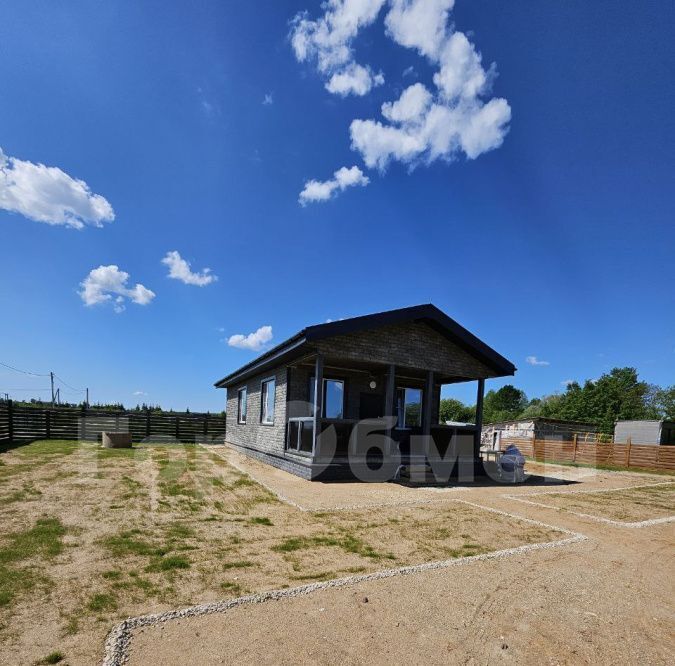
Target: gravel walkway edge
(118, 641)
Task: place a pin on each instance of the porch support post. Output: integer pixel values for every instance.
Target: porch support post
(389, 402)
(426, 412)
(318, 402)
(479, 418)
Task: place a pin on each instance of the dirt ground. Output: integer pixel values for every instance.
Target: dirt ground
(90, 536)
(605, 600)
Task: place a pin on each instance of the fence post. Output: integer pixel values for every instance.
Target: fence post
(574, 455)
(10, 420)
(147, 424)
(628, 445)
(206, 425)
(178, 428)
(48, 423)
(83, 421)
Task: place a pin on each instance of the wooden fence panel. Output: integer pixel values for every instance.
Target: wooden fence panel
(646, 456)
(23, 424)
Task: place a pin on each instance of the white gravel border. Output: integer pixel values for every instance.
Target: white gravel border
(599, 519)
(118, 641)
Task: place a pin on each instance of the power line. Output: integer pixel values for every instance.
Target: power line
(72, 388)
(24, 372)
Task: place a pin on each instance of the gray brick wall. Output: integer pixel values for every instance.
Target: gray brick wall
(254, 434)
(413, 345)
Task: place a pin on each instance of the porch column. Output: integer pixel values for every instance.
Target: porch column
(426, 411)
(318, 402)
(479, 418)
(389, 402)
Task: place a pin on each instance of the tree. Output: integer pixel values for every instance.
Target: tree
(455, 410)
(503, 405)
(661, 402)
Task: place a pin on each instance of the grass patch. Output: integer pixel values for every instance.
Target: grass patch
(348, 542)
(130, 543)
(52, 658)
(102, 602)
(228, 586)
(169, 563)
(240, 564)
(260, 520)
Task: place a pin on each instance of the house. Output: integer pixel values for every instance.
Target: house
(360, 397)
(644, 432)
(496, 434)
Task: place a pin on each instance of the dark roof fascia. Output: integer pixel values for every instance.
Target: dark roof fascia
(427, 313)
(276, 355)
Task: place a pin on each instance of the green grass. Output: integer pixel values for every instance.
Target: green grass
(260, 520)
(52, 658)
(169, 563)
(102, 602)
(240, 564)
(130, 543)
(348, 542)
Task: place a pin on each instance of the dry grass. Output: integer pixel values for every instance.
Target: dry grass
(91, 535)
(629, 505)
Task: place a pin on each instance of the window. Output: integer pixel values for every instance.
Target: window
(241, 405)
(409, 407)
(333, 398)
(267, 395)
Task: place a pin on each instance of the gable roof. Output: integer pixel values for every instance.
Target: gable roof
(427, 313)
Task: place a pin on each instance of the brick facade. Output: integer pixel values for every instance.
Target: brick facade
(412, 345)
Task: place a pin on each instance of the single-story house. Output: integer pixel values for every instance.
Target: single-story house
(644, 432)
(359, 396)
(495, 434)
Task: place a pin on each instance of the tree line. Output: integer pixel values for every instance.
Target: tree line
(103, 406)
(615, 396)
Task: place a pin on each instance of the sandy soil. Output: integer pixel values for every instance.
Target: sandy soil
(605, 600)
(169, 526)
(632, 505)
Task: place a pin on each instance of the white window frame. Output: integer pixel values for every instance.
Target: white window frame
(263, 402)
(240, 420)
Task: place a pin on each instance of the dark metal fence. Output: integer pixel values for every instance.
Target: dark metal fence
(21, 424)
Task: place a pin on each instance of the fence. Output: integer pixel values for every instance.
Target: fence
(19, 424)
(643, 456)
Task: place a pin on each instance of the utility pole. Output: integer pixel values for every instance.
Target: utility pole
(51, 377)
(87, 401)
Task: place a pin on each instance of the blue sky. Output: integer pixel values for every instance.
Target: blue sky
(198, 125)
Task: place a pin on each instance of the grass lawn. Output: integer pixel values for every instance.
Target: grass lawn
(92, 535)
(625, 505)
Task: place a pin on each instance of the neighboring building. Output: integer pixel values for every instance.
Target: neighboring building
(391, 364)
(537, 428)
(644, 432)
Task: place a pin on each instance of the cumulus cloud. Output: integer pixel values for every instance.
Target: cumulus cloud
(453, 117)
(47, 194)
(109, 284)
(179, 269)
(533, 360)
(327, 41)
(317, 190)
(139, 393)
(254, 341)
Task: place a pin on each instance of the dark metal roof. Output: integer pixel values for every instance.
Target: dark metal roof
(427, 313)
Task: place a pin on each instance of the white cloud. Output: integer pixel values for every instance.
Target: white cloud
(139, 393)
(353, 79)
(328, 39)
(268, 100)
(47, 194)
(533, 360)
(109, 283)
(566, 382)
(316, 190)
(454, 118)
(179, 269)
(254, 341)
(419, 24)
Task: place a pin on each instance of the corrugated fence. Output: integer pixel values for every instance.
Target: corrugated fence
(642, 456)
(19, 424)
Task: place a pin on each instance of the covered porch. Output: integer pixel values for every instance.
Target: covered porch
(344, 413)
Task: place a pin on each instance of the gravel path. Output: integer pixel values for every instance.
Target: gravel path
(604, 599)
